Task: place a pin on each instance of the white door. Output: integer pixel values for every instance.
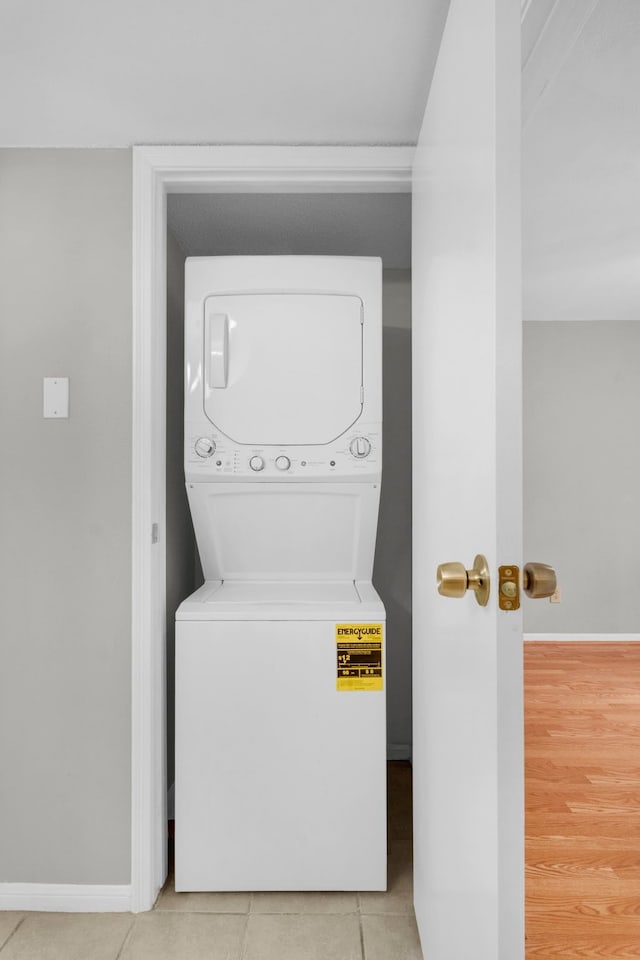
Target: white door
(468, 742)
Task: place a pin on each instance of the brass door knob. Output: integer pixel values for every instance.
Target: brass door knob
(539, 580)
(454, 580)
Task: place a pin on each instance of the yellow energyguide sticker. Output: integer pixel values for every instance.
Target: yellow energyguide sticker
(359, 652)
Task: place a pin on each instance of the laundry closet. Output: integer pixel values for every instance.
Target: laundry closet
(293, 227)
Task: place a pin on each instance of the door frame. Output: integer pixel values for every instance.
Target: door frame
(158, 171)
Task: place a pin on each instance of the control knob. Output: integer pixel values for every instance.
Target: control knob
(360, 447)
(257, 464)
(205, 447)
(283, 463)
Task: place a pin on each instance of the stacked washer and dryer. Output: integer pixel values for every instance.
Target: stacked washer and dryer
(280, 704)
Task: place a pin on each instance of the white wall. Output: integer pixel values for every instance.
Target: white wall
(582, 473)
(65, 517)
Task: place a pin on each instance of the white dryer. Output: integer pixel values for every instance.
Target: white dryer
(280, 655)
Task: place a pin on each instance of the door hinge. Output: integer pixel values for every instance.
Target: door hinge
(154, 533)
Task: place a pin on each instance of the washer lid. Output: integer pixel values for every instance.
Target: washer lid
(302, 601)
(283, 368)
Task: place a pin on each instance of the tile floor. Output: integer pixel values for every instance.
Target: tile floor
(242, 926)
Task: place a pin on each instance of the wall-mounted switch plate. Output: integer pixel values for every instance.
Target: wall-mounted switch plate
(56, 396)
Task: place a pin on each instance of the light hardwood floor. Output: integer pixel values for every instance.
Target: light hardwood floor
(582, 756)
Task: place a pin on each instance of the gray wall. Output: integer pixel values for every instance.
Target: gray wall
(181, 547)
(65, 512)
(582, 473)
(392, 570)
(65, 509)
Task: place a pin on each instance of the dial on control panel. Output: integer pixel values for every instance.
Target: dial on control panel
(283, 463)
(256, 463)
(205, 447)
(360, 447)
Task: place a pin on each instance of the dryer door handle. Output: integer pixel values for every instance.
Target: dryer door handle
(218, 349)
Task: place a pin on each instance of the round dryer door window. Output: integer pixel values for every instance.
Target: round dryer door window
(283, 368)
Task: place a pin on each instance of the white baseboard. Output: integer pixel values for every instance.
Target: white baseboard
(583, 637)
(66, 897)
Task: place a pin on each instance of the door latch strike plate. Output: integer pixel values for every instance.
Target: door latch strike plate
(509, 588)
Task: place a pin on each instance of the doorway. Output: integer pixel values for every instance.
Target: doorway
(237, 224)
(581, 205)
(581, 402)
(205, 170)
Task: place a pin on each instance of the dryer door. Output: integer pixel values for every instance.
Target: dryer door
(283, 368)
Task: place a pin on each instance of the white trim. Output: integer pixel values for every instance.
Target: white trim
(148, 820)
(66, 897)
(156, 172)
(280, 169)
(582, 637)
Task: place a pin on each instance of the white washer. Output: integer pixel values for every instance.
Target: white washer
(280, 702)
(280, 777)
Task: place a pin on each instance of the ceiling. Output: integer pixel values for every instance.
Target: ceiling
(581, 163)
(86, 73)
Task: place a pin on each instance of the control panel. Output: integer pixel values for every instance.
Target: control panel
(210, 454)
